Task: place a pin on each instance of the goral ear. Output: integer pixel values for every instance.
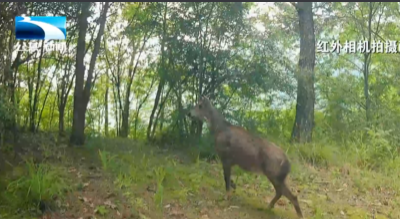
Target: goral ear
(205, 99)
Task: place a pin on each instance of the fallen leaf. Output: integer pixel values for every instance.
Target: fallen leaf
(205, 216)
(281, 202)
(84, 199)
(86, 184)
(71, 170)
(109, 195)
(308, 202)
(233, 207)
(175, 212)
(109, 204)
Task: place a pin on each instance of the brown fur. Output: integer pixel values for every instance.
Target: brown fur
(236, 146)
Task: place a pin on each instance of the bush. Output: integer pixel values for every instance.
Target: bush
(38, 185)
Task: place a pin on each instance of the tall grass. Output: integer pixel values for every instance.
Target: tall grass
(37, 184)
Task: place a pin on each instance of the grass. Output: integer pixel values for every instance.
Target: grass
(34, 187)
(116, 178)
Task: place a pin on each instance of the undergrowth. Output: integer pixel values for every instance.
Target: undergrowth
(155, 180)
(33, 187)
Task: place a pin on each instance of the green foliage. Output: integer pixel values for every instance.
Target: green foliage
(7, 112)
(39, 183)
(107, 160)
(160, 177)
(317, 154)
(101, 209)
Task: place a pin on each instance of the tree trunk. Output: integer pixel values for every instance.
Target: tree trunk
(82, 94)
(44, 103)
(106, 108)
(156, 101)
(52, 114)
(63, 93)
(78, 120)
(132, 72)
(162, 71)
(32, 126)
(61, 127)
(125, 111)
(141, 104)
(180, 122)
(125, 119)
(304, 121)
(160, 109)
(61, 108)
(367, 62)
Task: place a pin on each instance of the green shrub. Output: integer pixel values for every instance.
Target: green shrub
(40, 183)
(317, 154)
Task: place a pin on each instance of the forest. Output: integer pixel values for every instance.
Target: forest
(96, 125)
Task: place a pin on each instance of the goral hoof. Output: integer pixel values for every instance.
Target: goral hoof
(228, 196)
(233, 185)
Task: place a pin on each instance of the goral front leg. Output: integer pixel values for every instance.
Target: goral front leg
(227, 167)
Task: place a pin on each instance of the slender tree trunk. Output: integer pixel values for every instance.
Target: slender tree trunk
(304, 121)
(14, 95)
(116, 120)
(161, 109)
(30, 93)
(52, 114)
(32, 127)
(180, 122)
(136, 123)
(61, 108)
(63, 93)
(367, 61)
(61, 128)
(132, 72)
(125, 119)
(68, 118)
(125, 111)
(156, 102)
(44, 103)
(99, 122)
(162, 71)
(141, 104)
(106, 108)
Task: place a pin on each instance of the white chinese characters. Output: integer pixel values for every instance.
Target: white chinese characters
(47, 47)
(361, 46)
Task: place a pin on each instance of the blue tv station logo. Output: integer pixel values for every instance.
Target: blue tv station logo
(40, 28)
